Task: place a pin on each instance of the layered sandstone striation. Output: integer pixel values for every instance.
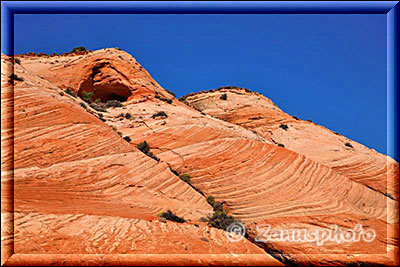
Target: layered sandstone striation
(320, 153)
(255, 112)
(95, 192)
(111, 74)
(72, 185)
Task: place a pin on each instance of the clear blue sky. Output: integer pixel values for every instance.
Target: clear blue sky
(328, 68)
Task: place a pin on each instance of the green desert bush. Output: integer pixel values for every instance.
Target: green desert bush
(151, 155)
(228, 87)
(169, 215)
(284, 127)
(87, 96)
(203, 219)
(14, 77)
(185, 178)
(127, 139)
(221, 220)
(160, 114)
(70, 92)
(113, 103)
(169, 101)
(98, 107)
(348, 145)
(217, 206)
(79, 49)
(170, 92)
(145, 148)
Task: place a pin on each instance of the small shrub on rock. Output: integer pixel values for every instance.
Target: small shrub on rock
(159, 114)
(70, 92)
(169, 215)
(79, 49)
(223, 97)
(98, 107)
(144, 147)
(217, 206)
(170, 92)
(151, 155)
(113, 103)
(87, 96)
(203, 219)
(348, 145)
(228, 87)
(284, 127)
(221, 220)
(127, 139)
(14, 77)
(185, 178)
(169, 101)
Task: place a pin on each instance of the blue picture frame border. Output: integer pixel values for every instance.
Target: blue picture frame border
(390, 8)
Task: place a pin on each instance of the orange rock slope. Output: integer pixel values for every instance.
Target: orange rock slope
(255, 112)
(72, 185)
(80, 188)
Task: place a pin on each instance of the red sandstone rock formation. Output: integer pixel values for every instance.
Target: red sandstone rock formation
(72, 185)
(108, 73)
(93, 192)
(255, 112)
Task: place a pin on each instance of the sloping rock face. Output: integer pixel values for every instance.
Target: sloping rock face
(259, 182)
(111, 74)
(320, 153)
(255, 112)
(72, 185)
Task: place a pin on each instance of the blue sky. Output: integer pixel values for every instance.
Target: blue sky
(328, 68)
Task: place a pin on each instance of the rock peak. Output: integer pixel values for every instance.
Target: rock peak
(109, 73)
